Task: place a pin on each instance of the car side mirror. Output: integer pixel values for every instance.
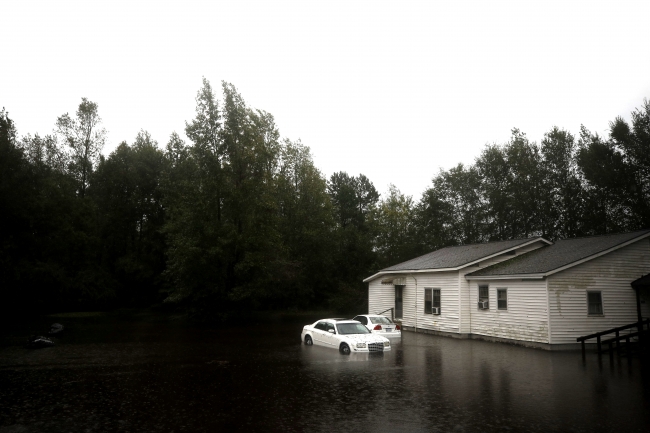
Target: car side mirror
(331, 331)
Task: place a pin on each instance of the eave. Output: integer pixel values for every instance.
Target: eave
(407, 271)
(507, 277)
(542, 275)
(458, 268)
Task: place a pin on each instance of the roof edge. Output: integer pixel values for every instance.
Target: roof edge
(413, 271)
(506, 277)
(498, 253)
(408, 271)
(601, 253)
(561, 268)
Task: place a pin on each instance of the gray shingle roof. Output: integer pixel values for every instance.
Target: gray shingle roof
(454, 257)
(560, 254)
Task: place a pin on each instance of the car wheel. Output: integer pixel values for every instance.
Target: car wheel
(344, 349)
(308, 340)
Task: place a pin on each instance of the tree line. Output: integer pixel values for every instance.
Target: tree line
(240, 219)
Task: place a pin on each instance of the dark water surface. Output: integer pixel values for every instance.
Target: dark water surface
(143, 372)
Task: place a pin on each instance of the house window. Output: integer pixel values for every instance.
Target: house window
(436, 299)
(431, 301)
(483, 297)
(428, 300)
(502, 299)
(595, 303)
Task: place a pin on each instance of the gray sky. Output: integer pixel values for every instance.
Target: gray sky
(393, 90)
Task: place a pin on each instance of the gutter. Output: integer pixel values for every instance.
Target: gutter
(506, 277)
(416, 302)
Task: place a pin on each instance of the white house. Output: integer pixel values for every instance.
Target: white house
(525, 291)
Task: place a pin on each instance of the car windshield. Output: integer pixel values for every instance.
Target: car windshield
(381, 320)
(351, 328)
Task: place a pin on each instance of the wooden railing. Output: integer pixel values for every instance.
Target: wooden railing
(392, 313)
(641, 326)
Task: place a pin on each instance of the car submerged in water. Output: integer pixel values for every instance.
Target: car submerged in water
(348, 336)
(381, 325)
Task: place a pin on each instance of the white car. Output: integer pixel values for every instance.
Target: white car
(348, 336)
(381, 325)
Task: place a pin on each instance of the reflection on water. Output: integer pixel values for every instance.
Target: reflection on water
(149, 373)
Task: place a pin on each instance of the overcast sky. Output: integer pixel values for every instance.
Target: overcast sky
(395, 90)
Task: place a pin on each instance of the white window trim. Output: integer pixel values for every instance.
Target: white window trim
(505, 289)
(485, 298)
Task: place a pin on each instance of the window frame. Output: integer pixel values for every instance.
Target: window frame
(483, 298)
(429, 291)
(436, 293)
(487, 292)
(499, 291)
(600, 304)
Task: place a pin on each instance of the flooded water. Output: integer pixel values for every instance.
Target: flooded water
(146, 372)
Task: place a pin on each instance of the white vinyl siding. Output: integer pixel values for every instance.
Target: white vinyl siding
(526, 317)
(611, 275)
(469, 303)
(380, 297)
(414, 315)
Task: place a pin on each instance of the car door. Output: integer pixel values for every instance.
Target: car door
(321, 334)
(330, 337)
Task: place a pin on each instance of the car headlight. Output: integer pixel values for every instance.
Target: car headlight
(361, 345)
(386, 343)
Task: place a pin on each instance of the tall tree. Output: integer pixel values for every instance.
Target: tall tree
(305, 226)
(15, 208)
(85, 139)
(525, 185)
(126, 190)
(460, 190)
(633, 141)
(222, 207)
(562, 192)
(434, 221)
(49, 253)
(45, 152)
(494, 171)
(394, 219)
(607, 181)
(354, 200)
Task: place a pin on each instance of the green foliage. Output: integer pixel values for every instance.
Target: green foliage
(85, 140)
(221, 191)
(395, 224)
(49, 248)
(354, 201)
(561, 188)
(305, 226)
(617, 171)
(126, 191)
(459, 189)
(562, 198)
(238, 219)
